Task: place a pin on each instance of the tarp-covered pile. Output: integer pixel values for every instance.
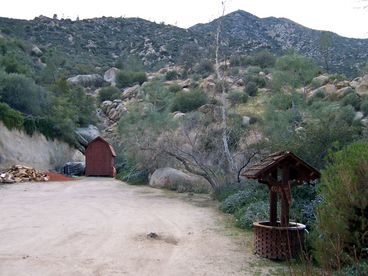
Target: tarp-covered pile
(20, 173)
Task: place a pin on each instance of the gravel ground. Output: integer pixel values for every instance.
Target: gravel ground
(99, 226)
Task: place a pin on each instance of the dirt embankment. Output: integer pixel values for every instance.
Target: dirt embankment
(100, 226)
(16, 147)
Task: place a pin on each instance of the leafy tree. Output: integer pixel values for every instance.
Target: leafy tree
(21, 93)
(342, 220)
(296, 70)
(311, 130)
(264, 59)
(10, 117)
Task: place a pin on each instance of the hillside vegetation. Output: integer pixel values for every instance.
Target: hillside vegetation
(157, 94)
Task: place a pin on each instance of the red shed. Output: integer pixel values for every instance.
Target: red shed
(100, 158)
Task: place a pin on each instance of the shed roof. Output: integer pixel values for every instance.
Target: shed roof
(104, 141)
(275, 160)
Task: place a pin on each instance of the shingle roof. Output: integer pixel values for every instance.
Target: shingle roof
(273, 160)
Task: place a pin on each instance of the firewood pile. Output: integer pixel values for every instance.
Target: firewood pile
(20, 173)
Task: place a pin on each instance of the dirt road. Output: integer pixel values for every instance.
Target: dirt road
(99, 226)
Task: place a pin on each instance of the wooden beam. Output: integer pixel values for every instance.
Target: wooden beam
(273, 207)
(284, 198)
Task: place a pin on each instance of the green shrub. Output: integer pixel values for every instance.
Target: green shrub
(264, 59)
(128, 78)
(252, 192)
(256, 211)
(175, 88)
(357, 269)
(134, 177)
(251, 88)
(342, 220)
(364, 107)
(29, 125)
(237, 97)
(224, 191)
(351, 99)
(188, 101)
(10, 117)
(109, 94)
(204, 67)
(21, 93)
(172, 75)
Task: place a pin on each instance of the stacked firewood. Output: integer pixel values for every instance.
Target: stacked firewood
(20, 173)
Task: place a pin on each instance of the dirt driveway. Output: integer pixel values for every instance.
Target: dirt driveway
(99, 226)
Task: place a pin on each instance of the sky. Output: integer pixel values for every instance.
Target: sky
(345, 17)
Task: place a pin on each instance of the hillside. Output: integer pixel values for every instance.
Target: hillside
(245, 32)
(104, 41)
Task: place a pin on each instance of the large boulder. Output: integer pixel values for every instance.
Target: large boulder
(362, 87)
(172, 179)
(327, 89)
(86, 134)
(320, 80)
(94, 80)
(110, 75)
(131, 92)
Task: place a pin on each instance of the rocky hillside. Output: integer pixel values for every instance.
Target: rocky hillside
(245, 32)
(102, 41)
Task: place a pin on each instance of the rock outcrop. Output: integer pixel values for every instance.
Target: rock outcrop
(114, 110)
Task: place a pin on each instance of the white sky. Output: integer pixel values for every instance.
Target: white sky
(345, 17)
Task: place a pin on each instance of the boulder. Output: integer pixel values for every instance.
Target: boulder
(246, 121)
(364, 122)
(36, 51)
(355, 82)
(131, 92)
(172, 179)
(94, 80)
(185, 83)
(358, 116)
(74, 168)
(110, 75)
(320, 80)
(86, 134)
(178, 115)
(362, 87)
(327, 89)
(342, 84)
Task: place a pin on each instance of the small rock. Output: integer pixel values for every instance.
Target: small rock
(36, 51)
(358, 116)
(178, 115)
(152, 235)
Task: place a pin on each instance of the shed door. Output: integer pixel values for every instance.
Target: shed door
(99, 160)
